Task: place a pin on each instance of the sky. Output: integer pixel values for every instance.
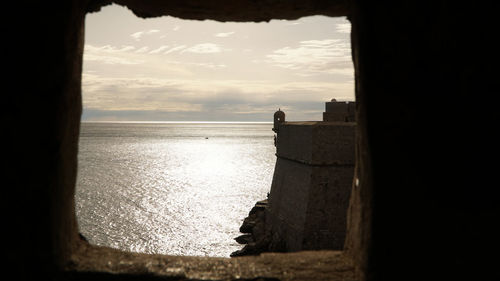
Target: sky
(168, 69)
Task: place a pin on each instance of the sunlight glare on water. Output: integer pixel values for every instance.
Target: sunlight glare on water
(178, 189)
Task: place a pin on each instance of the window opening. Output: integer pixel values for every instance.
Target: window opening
(176, 143)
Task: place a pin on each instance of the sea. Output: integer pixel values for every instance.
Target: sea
(171, 188)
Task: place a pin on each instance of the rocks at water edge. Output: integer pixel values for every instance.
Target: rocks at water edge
(244, 239)
(256, 239)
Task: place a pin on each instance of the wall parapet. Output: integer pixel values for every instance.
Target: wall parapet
(317, 143)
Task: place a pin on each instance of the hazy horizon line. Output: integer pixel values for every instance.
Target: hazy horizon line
(177, 122)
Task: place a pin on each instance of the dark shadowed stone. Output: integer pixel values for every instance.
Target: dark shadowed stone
(259, 279)
(83, 238)
(247, 10)
(244, 239)
(248, 224)
(259, 206)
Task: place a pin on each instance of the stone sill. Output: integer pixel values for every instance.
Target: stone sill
(101, 263)
(317, 123)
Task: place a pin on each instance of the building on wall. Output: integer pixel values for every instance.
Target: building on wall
(312, 180)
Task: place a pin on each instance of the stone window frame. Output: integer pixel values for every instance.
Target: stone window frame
(79, 260)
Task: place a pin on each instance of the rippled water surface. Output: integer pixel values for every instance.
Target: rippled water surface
(180, 189)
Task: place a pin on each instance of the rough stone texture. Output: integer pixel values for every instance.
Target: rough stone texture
(237, 10)
(288, 203)
(308, 205)
(426, 206)
(326, 213)
(101, 263)
(41, 118)
(340, 111)
(317, 142)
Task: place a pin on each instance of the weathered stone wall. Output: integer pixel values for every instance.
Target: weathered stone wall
(286, 217)
(317, 143)
(326, 214)
(340, 111)
(294, 141)
(425, 207)
(238, 10)
(41, 109)
(311, 185)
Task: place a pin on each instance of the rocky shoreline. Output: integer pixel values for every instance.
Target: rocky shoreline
(256, 237)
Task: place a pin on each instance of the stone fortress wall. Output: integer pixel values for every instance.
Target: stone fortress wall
(312, 180)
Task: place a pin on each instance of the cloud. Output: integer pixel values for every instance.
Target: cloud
(210, 75)
(343, 27)
(110, 60)
(138, 35)
(165, 49)
(228, 99)
(110, 55)
(224, 34)
(126, 49)
(145, 61)
(314, 57)
(204, 48)
(175, 49)
(159, 49)
(144, 49)
(209, 65)
(109, 49)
